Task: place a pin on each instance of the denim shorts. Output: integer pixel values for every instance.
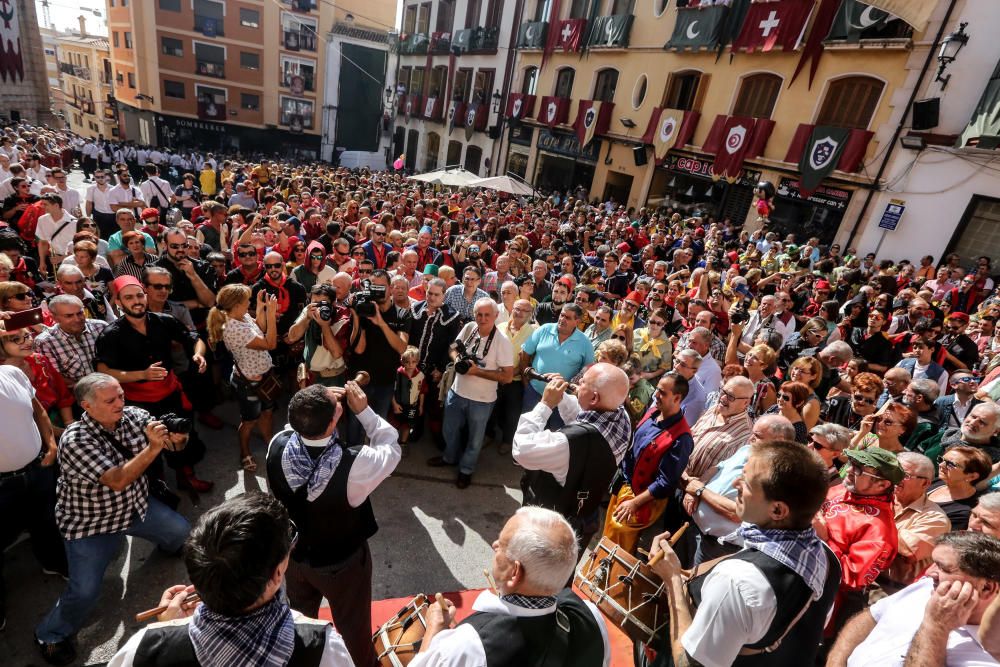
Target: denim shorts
(250, 404)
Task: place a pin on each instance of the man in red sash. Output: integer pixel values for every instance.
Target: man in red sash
(653, 465)
(135, 349)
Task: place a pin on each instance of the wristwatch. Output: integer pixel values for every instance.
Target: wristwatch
(697, 494)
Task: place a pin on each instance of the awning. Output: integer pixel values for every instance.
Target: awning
(983, 130)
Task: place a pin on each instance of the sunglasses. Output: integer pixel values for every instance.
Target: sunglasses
(244, 254)
(177, 246)
(159, 286)
(20, 296)
(785, 397)
(363, 272)
(621, 338)
(817, 445)
(274, 265)
(858, 398)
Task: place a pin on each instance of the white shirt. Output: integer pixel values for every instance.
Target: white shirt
(375, 461)
(334, 652)
(461, 646)
(920, 372)
(737, 608)
(122, 195)
(47, 227)
(22, 441)
(70, 198)
(99, 198)
(40, 174)
(535, 448)
(710, 374)
(500, 355)
(898, 617)
(149, 190)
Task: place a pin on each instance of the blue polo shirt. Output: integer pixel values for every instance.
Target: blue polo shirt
(567, 358)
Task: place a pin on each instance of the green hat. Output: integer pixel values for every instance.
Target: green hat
(431, 270)
(882, 460)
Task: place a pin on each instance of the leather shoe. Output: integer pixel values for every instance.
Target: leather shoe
(57, 653)
(186, 479)
(438, 462)
(463, 481)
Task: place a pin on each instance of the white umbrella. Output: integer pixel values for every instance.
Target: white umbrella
(505, 184)
(451, 176)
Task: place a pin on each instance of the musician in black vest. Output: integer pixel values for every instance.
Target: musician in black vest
(532, 619)
(569, 469)
(236, 558)
(325, 487)
(732, 614)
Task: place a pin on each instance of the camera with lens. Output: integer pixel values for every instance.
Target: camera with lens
(175, 423)
(739, 315)
(325, 311)
(465, 359)
(366, 299)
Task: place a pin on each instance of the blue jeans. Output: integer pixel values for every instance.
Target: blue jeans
(90, 556)
(459, 412)
(533, 398)
(379, 400)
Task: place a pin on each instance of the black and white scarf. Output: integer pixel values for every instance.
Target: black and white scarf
(299, 468)
(529, 601)
(615, 426)
(263, 638)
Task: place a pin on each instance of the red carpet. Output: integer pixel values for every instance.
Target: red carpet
(382, 610)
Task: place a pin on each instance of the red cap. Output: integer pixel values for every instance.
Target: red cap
(121, 282)
(822, 284)
(150, 213)
(958, 317)
(623, 247)
(635, 297)
(568, 282)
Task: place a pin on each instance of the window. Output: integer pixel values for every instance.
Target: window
(170, 5)
(463, 86)
(660, 6)
(979, 232)
(128, 40)
(209, 17)
(210, 60)
(298, 74)
(172, 47)
(530, 82)
(757, 96)
(639, 91)
(50, 52)
(472, 11)
(483, 87)
(542, 10)
(564, 82)
(473, 156)
(131, 80)
(173, 89)
(410, 19)
(249, 102)
(682, 91)
(249, 18)
(299, 111)
(124, 3)
(850, 102)
(445, 16)
(622, 7)
(249, 60)
(403, 79)
(604, 86)
(417, 81)
(578, 9)
(114, 39)
(494, 11)
(299, 32)
(424, 18)
(439, 82)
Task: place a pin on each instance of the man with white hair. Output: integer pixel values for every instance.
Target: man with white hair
(533, 615)
(569, 469)
(487, 362)
(985, 516)
(723, 429)
(979, 429)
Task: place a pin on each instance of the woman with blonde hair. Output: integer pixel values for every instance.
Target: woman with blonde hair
(623, 333)
(808, 371)
(249, 341)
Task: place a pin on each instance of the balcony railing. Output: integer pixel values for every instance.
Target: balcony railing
(296, 122)
(210, 27)
(87, 106)
(299, 41)
(414, 45)
(307, 81)
(476, 39)
(75, 70)
(440, 42)
(211, 110)
(218, 70)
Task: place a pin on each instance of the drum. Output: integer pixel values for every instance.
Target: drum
(625, 590)
(398, 640)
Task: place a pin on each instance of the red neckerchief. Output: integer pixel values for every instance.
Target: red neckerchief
(251, 278)
(283, 299)
(422, 256)
(379, 251)
(21, 274)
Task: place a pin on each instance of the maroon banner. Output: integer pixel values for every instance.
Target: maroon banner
(854, 151)
(770, 24)
(520, 105)
(550, 36)
(592, 119)
(714, 139)
(653, 126)
(553, 110)
(736, 136)
(799, 142)
(761, 133)
(813, 48)
(688, 126)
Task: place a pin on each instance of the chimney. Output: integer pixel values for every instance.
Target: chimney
(83, 25)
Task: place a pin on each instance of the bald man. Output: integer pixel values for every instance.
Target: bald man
(290, 294)
(569, 469)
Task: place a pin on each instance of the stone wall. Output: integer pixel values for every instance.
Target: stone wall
(27, 95)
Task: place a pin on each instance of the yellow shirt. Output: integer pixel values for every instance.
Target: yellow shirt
(207, 179)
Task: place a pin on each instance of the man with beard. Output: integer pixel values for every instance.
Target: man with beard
(136, 350)
(548, 312)
(194, 280)
(435, 326)
(249, 268)
(979, 429)
(291, 296)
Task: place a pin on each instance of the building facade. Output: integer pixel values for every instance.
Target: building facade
(244, 75)
(24, 78)
(454, 62)
(659, 91)
(85, 98)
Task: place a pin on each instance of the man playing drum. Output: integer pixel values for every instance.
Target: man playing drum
(569, 469)
(533, 618)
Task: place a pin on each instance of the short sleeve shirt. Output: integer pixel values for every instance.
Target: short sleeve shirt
(237, 335)
(22, 442)
(550, 356)
(499, 355)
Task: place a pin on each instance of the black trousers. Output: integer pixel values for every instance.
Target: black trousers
(195, 449)
(347, 587)
(106, 224)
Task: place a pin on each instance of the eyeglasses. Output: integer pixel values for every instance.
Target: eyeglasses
(785, 397)
(860, 398)
(378, 233)
(858, 469)
(817, 445)
(159, 286)
(272, 265)
(363, 272)
(88, 225)
(243, 254)
(20, 296)
(18, 339)
(177, 246)
(909, 476)
(656, 323)
(950, 465)
(621, 338)
(733, 397)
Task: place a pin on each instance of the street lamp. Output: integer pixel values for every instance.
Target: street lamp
(950, 47)
(496, 101)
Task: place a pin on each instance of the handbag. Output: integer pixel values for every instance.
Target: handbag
(269, 387)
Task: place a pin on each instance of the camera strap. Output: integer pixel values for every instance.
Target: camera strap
(489, 342)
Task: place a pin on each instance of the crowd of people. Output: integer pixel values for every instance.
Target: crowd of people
(825, 424)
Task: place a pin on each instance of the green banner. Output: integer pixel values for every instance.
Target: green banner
(462, 40)
(821, 155)
(532, 35)
(359, 105)
(611, 30)
(697, 27)
(984, 126)
(854, 17)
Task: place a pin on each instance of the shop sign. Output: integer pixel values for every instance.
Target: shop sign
(521, 134)
(695, 167)
(195, 124)
(835, 198)
(568, 145)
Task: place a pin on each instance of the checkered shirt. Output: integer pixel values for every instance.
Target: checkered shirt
(454, 296)
(72, 355)
(84, 506)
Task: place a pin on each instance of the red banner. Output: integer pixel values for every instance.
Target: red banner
(813, 48)
(736, 137)
(592, 118)
(520, 105)
(553, 110)
(569, 34)
(770, 24)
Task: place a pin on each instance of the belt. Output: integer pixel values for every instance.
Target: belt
(22, 471)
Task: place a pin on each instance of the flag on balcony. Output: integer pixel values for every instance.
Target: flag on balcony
(983, 130)
(532, 35)
(430, 106)
(610, 31)
(663, 130)
(455, 114)
(471, 113)
(554, 110)
(916, 14)
(520, 105)
(736, 135)
(813, 48)
(592, 117)
(11, 61)
(770, 24)
(462, 40)
(408, 106)
(570, 34)
(854, 18)
(697, 27)
(821, 155)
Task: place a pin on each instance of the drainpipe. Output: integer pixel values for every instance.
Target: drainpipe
(902, 121)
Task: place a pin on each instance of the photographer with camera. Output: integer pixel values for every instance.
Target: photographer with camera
(385, 332)
(484, 359)
(328, 329)
(104, 495)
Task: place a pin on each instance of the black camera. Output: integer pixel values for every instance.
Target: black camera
(465, 359)
(739, 315)
(325, 311)
(366, 299)
(175, 423)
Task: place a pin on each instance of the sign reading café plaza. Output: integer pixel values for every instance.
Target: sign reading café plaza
(568, 145)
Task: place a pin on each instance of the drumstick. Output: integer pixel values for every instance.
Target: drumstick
(490, 580)
(144, 616)
(673, 540)
(441, 601)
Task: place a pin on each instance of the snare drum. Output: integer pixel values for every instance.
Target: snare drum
(398, 640)
(625, 590)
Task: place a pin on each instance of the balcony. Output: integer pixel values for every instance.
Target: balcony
(611, 31)
(304, 6)
(210, 27)
(473, 40)
(87, 106)
(414, 45)
(75, 70)
(205, 68)
(440, 43)
(299, 41)
(299, 82)
(297, 122)
(211, 110)
(532, 34)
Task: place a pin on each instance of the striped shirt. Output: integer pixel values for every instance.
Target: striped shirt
(716, 438)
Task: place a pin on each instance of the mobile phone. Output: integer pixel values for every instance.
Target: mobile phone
(25, 318)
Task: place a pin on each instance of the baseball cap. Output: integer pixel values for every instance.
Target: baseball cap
(882, 460)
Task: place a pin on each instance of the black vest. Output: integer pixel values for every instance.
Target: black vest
(591, 468)
(536, 641)
(801, 644)
(330, 530)
(170, 646)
